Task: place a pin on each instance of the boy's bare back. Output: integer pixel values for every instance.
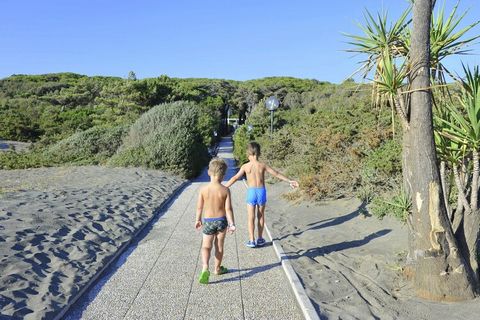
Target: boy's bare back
(255, 171)
(214, 200)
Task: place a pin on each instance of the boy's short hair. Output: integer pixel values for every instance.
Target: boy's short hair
(253, 149)
(217, 167)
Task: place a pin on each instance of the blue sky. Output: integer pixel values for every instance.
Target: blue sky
(243, 39)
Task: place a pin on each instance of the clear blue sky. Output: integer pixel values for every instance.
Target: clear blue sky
(243, 39)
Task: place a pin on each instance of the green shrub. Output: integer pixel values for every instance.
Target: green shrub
(92, 146)
(240, 140)
(23, 160)
(385, 160)
(397, 205)
(166, 137)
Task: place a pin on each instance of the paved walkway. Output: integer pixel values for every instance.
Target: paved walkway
(157, 279)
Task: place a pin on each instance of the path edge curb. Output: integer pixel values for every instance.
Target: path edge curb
(303, 300)
(165, 204)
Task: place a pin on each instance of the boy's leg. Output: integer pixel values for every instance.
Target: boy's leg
(219, 243)
(261, 220)
(206, 249)
(251, 222)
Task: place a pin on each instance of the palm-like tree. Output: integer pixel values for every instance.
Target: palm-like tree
(394, 62)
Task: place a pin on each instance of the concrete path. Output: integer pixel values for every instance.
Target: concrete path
(158, 277)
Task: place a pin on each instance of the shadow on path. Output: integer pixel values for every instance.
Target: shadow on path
(247, 272)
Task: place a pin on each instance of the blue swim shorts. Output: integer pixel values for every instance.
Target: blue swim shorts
(257, 196)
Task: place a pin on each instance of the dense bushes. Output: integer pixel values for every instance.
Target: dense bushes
(92, 146)
(240, 140)
(328, 136)
(166, 137)
(49, 108)
(333, 142)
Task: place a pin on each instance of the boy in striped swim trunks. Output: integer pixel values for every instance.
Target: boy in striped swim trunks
(214, 202)
(256, 193)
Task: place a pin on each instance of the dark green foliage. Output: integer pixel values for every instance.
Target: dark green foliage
(240, 140)
(23, 160)
(326, 135)
(166, 137)
(396, 204)
(334, 142)
(384, 163)
(93, 146)
(209, 119)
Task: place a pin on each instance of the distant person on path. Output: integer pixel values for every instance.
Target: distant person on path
(214, 202)
(256, 193)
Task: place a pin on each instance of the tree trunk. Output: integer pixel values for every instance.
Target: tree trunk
(460, 188)
(443, 179)
(440, 269)
(475, 174)
(472, 219)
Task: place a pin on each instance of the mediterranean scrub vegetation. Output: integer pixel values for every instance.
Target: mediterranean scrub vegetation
(167, 137)
(75, 119)
(320, 140)
(440, 141)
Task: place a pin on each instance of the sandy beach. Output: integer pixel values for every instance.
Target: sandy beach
(350, 263)
(59, 226)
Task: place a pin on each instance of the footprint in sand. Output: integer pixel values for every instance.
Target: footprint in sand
(38, 239)
(43, 258)
(97, 226)
(62, 232)
(79, 235)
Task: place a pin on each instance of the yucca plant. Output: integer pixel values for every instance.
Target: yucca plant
(462, 125)
(381, 39)
(451, 154)
(395, 55)
(389, 84)
(471, 105)
(458, 127)
(402, 202)
(381, 35)
(446, 40)
(378, 36)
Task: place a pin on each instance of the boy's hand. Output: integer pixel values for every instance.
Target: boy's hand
(293, 184)
(231, 228)
(198, 225)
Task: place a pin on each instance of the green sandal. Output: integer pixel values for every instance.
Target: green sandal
(223, 270)
(203, 279)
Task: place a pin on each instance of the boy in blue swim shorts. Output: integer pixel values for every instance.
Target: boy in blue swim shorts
(214, 202)
(256, 193)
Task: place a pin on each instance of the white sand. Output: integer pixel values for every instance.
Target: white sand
(350, 264)
(59, 226)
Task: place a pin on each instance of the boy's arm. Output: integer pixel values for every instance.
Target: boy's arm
(229, 211)
(198, 216)
(275, 173)
(232, 180)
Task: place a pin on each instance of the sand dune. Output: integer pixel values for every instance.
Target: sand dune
(58, 227)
